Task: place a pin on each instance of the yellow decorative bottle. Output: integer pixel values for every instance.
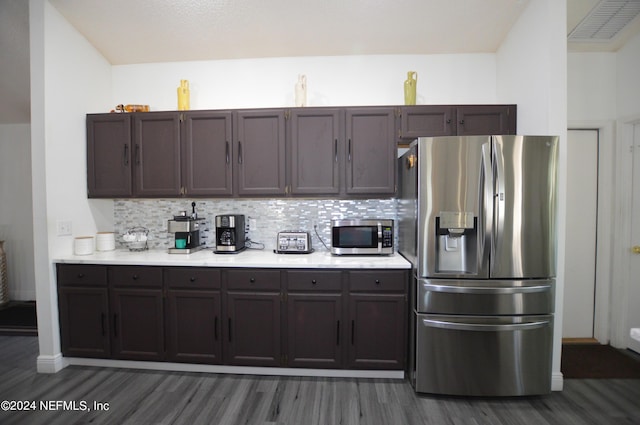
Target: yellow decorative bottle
(410, 88)
(183, 96)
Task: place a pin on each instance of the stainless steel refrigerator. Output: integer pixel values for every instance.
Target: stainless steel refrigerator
(477, 221)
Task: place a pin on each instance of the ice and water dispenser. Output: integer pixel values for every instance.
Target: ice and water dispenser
(456, 242)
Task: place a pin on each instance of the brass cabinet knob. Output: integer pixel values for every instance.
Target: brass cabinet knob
(636, 249)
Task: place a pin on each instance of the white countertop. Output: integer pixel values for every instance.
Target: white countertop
(247, 258)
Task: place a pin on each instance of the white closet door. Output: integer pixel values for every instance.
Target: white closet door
(633, 298)
(580, 260)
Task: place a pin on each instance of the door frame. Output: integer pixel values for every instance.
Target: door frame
(603, 303)
(621, 252)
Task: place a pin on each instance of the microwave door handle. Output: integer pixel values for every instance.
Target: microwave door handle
(379, 237)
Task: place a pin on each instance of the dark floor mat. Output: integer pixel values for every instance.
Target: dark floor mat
(596, 361)
(18, 318)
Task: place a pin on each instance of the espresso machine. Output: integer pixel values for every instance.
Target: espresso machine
(189, 232)
(230, 233)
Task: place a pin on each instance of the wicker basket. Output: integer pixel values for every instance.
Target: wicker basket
(136, 238)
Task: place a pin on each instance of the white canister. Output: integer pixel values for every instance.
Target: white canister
(83, 245)
(105, 241)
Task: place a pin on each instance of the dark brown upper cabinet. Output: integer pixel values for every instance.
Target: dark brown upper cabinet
(475, 120)
(156, 138)
(451, 120)
(207, 153)
(427, 120)
(109, 155)
(370, 151)
(317, 151)
(338, 152)
(259, 152)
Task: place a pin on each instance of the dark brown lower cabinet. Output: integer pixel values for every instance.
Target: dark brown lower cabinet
(313, 318)
(253, 328)
(138, 323)
(377, 331)
(193, 326)
(315, 330)
(377, 319)
(194, 315)
(84, 323)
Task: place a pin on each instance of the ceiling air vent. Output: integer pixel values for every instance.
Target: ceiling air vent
(605, 20)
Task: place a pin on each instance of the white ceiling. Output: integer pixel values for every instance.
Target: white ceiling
(128, 32)
(141, 31)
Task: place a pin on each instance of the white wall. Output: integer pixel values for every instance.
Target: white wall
(16, 225)
(531, 65)
(68, 78)
(603, 92)
(628, 90)
(591, 86)
(331, 81)
(628, 113)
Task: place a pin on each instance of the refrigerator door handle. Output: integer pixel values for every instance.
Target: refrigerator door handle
(481, 327)
(487, 290)
(498, 203)
(486, 207)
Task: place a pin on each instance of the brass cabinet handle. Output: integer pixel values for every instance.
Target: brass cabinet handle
(636, 249)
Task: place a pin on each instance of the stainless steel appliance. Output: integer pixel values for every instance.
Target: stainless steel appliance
(188, 234)
(293, 242)
(362, 237)
(188, 231)
(230, 233)
(477, 221)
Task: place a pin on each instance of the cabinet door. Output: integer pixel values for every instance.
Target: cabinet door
(377, 331)
(315, 319)
(259, 151)
(138, 323)
(253, 329)
(427, 121)
(486, 120)
(84, 324)
(206, 159)
(193, 326)
(316, 151)
(370, 151)
(157, 154)
(109, 155)
(315, 330)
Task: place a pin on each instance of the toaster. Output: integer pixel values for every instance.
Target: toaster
(293, 242)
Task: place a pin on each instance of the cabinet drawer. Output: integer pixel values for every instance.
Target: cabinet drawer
(192, 277)
(136, 276)
(82, 274)
(254, 279)
(378, 281)
(314, 280)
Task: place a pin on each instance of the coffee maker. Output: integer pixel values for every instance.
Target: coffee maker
(230, 233)
(189, 232)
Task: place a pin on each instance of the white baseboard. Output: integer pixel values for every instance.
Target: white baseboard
(241, 370)
(51, 364)
(557, 381)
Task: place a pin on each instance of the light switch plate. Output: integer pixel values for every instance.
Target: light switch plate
(64, 228)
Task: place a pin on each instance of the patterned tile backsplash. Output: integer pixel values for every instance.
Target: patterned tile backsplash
(271, 216)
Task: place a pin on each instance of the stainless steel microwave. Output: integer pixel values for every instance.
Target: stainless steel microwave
(362, 237)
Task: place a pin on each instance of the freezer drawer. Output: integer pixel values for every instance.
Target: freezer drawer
(483, 356)
(485, 297)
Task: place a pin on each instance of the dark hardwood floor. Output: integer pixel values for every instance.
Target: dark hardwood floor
(149, 397)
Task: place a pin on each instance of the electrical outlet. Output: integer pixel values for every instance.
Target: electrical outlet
(253, 224)
(64, 228)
